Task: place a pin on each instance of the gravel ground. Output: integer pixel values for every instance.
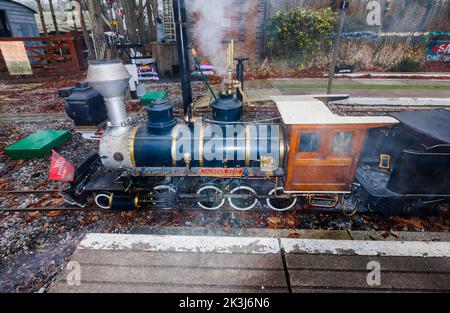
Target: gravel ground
(35, 246)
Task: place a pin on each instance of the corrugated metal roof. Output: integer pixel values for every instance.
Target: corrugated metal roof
(18, 3)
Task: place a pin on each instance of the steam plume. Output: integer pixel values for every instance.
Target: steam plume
(209, 30)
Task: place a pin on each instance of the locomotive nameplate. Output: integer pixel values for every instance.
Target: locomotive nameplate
(222, 172)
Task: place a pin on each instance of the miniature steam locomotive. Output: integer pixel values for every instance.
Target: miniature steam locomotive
(400, 162)
(312, 154)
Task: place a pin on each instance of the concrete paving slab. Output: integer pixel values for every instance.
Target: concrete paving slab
(202, 244)
(140, 263)
(358, 280)
(183, 276)
(368, 248)
(174, 259)
(328, 265)
(359, 263)
(63, 287)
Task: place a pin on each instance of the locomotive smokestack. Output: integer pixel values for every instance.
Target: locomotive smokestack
(110, 79)
(179, 9)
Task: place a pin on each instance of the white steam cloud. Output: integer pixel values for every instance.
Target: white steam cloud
(209, 30)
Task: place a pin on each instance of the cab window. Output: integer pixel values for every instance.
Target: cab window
(309, 143)
(342, 142)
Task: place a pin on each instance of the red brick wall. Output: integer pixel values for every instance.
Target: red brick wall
(247, 24)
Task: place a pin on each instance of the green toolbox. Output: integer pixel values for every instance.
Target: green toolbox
(38, 144)
(151, 96)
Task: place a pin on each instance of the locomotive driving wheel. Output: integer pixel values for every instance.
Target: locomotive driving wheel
(163, 196)
(247, 200)
(280, 204)
(214, 197)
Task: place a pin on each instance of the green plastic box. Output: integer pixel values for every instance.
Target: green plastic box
(38, 144)
(151, 96)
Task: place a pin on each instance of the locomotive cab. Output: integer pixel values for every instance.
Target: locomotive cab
(324, 148)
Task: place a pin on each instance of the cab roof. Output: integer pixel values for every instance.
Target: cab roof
(309, 110)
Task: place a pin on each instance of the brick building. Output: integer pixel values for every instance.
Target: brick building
(242, 22)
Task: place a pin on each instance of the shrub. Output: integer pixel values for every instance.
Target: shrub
(408, 64)
(298, 34)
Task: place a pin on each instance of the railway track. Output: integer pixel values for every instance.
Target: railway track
(175, 210)
(339, 209)
(259, 207)
(181, 202)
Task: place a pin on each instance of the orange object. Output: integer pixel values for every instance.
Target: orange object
(61, 169)
(226, 172)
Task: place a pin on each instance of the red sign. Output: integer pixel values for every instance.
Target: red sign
(222, 171)
(61, 169)
(442, 48)
(438, 51)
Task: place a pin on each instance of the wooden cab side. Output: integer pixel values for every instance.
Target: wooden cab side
(323, 158)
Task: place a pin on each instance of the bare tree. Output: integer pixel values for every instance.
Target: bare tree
(91, 53)
(152, 13)
(130, 15)
(141, 19)
(95, 14)
(52, 10)
(41, 15)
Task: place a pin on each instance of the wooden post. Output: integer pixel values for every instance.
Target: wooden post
(73, 51)
(41, 15)
(52, 11)
(78, 46)
(85, 33)
(337, 43)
